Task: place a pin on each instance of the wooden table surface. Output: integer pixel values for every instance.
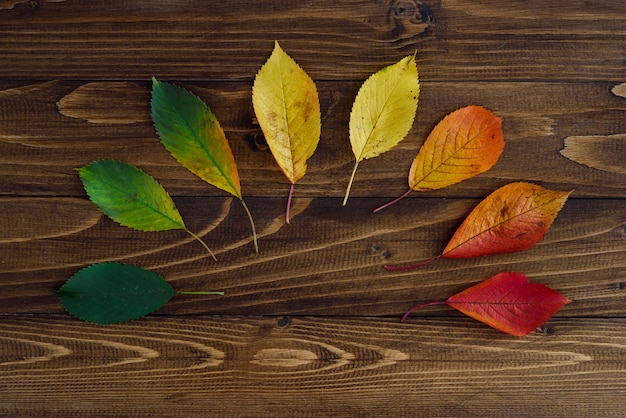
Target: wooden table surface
(310, 325)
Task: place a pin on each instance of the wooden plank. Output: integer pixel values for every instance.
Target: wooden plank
(455, 40)
(309, 326)
(290, 366)
(328, 261)
(47, 129)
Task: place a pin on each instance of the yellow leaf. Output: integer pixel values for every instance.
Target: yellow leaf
(287, 107)
(383, 111)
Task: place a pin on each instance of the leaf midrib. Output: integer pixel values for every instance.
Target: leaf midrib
(286, 118)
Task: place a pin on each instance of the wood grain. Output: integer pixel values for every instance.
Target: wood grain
(309, 326)
(455, 40)
(607, 153)
(292, 366)
(329, 260)
(48, 129)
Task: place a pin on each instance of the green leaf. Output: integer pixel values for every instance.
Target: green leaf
(194, 137)
(131, 197)
(108, 293)
(383, 111)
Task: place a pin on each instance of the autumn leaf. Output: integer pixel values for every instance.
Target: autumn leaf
(132, 198)
(464, 144)
(192, 134)
(507, 302)
(513, 218)
(108, 293)
(383, 111)
(287, 108)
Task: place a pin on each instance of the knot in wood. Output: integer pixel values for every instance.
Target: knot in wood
(410, 18)
(283, 321)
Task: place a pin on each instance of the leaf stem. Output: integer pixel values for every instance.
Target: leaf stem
(201, 242)
(415, 308)
(415, 266)
(289, 202)
(201, 293)
(393, 201)
(256, 244)
(345, 199)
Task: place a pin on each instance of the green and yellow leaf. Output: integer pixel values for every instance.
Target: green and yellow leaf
(194, 137)
(131, 197)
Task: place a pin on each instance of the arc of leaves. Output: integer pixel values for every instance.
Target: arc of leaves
(109, 293)
(132, 197)
(512, 218)
(192, 134)
(286, 105)
(507, 302)
(383, 112)
(465, 143)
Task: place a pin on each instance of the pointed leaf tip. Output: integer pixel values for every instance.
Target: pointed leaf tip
(383, 111)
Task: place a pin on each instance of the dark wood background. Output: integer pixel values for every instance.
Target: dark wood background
(309, 326)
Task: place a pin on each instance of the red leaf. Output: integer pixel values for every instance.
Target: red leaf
(507, 302)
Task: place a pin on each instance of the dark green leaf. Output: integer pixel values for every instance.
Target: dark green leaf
(108, 293)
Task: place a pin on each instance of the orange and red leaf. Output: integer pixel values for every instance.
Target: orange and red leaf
(513, 218)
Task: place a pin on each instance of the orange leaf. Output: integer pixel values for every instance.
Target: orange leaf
(464, 144)
(507, 302)
(513, 218)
